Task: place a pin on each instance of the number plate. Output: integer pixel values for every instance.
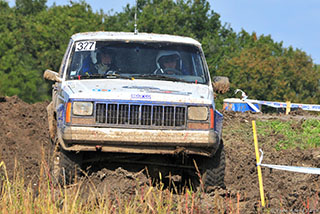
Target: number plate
(86, 46)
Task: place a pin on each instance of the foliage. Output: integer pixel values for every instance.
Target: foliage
(32, 42)
(27, 7)
(267, 71)
(33, 38)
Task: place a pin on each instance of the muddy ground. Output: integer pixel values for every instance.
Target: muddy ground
(24, 140)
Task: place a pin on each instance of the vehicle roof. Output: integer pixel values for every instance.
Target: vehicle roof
(130, 36)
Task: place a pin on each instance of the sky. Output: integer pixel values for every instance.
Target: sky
(294, 22)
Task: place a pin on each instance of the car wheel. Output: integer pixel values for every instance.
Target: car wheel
(65, 165)
(213, 170)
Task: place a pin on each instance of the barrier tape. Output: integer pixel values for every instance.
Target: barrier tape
(306, 107)
(255, 109)
(308, 170)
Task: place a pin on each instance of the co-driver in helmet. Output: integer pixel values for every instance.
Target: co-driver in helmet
(168, 62)
(100, 62)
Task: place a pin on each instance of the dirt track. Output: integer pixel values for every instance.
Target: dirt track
(24, 133)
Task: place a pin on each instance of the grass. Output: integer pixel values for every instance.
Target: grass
(292, 134)
(18, 197)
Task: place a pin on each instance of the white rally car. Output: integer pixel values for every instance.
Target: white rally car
(140, 99)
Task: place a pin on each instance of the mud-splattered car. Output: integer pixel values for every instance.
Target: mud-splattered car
(144, 100)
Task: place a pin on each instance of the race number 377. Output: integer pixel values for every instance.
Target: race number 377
(86, 46)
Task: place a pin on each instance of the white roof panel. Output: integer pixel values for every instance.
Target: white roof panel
(130, 36)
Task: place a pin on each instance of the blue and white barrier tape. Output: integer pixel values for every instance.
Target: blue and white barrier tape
(255, 109)
(300, 169)
(307, 107)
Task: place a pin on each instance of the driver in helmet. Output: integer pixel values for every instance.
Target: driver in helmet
(168, 62)
(100, 62)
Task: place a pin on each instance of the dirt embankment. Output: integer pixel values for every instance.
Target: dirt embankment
(24, 136)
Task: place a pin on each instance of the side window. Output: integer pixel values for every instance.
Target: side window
(78, 59)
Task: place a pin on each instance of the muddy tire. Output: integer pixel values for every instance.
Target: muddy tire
(213, 170)
(65, 165)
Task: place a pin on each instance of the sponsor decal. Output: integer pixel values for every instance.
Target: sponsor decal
(101, 90)
(141, 96)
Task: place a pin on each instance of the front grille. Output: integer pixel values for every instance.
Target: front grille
(140, 115)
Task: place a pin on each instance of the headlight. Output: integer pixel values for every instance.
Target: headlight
(197, 113)
(82, 108)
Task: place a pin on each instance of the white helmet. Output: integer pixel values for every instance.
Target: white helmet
(165, 55)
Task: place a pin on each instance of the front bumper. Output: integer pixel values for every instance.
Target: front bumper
(200, 142)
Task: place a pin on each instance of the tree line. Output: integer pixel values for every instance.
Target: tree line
(33, 37)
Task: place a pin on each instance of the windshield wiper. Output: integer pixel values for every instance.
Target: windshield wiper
(89, 76)
(102, 76)
(159, 77)
(115, 76)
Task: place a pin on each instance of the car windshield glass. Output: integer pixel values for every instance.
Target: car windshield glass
(137, 60)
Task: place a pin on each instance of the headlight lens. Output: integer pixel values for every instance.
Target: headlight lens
(82, 108)
(197, 113)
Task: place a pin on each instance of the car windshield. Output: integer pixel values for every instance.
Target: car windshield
(137, 60)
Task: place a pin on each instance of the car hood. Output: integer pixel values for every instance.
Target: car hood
(140, 90)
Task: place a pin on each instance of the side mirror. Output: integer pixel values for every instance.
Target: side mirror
(51, 75)
(220, 84)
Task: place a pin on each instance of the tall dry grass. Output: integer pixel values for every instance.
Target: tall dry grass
(17, 196)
